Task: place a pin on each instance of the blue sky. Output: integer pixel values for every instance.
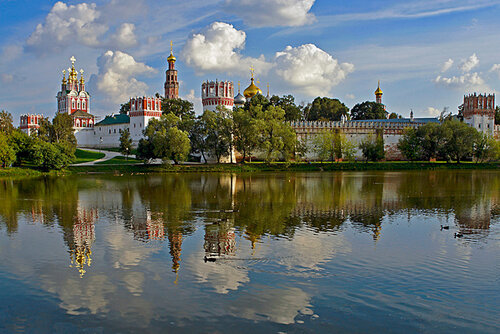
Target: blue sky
(427, 54)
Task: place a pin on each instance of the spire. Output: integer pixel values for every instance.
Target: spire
(268, 91)
(64, 77)
(171, 58)
(378, 94)
(82, 81)
(238, 87)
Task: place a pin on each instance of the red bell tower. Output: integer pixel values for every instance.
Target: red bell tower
(171, 83)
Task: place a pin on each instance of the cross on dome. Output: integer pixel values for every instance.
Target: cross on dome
(72, 60)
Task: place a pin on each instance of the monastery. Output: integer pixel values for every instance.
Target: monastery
(478, 112)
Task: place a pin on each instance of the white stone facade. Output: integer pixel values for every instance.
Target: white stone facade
(218, 93)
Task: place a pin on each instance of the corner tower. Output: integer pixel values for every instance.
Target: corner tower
(171, 83)
(479, 112)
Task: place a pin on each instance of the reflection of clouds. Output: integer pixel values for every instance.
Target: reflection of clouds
(222, 276)
(123, 250)
(134, 282)
(77, 295)
(308, 250)
(276, 305)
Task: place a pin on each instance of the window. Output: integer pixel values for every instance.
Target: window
(480, 126)
(134, 125)
(114, 131)
(109, 131)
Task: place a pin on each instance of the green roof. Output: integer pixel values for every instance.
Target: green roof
(115, 119)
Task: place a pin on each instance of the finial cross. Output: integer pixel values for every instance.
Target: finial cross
(171, 46)
(252, 70)
(72, 60)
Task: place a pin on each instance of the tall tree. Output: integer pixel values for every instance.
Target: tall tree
(368, 110)
(410, 144)
(373, 148)
(61, 130)
(125, 143)
(182, 109)
(6, 125)
(497, 115)
(198, 137)
(287, 103)
(246, 132)
(324, 145)
(125, 108)
(7, 154)
(219, 125)
(459, 140)
(325, 109)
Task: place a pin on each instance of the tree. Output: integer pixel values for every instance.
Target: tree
(61, 129)
(348, 148)
(219, 132)
(125, 143)
(6, 125)
(125, 108)
(164, 140)
(324, 145)
(431, 140)
(21, 144)
(7, 154)
(497, 115)
(198, 137)
(410, 144)
(287, 103)
(182, 109)
(51, 156)
(486, 148)
(458, 140)
(393, 115)
(245, 132)
(325, 109)
(275, 136)
(368, 110)
(373, 148)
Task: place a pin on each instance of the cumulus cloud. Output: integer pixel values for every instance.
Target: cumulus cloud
(433, 112)
(65, 25)
(216, 49)
(350, 96)
(11, 52)
(495, 68)
(469, 63)
(271, 13)
(116, 76)
(447, 65)
(468, 80)
(124, 37)
(311, 69)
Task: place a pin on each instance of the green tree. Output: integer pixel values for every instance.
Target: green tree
(50, 156)
(21, 144)
(368, 110)
(410, 144)
(373, 148)
(431, 140)
(182, 109)
(276, 137)
(348, 148)
(246, 132)
(497, 115)
(486, 148)
(324, 145)
(198, 137)
(219, 126)
(393, 115)
(125, 108)
(125, 143)
(459, 140)
(164, 140)
(325, 109)
(6, 125)
(287, 103)
(7, 154)
(61, 129)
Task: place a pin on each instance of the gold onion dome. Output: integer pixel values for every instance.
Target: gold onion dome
(171, 57)
(251, 91)
(378, 91)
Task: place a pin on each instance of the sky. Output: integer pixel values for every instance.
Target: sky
(426, 53)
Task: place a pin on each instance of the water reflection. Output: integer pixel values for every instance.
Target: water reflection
(216, 233)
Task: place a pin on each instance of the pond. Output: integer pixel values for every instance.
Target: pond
(271, 252)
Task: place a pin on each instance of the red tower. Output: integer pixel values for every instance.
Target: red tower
(171, 83)
(378, 94)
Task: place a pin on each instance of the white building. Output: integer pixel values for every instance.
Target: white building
(479, 112)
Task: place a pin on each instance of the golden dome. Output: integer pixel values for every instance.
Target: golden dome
(379, 91)
(251, 91)
(171, 57)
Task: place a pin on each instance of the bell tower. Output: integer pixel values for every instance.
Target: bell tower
(171, 83)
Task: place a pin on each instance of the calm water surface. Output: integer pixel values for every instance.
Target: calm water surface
(294, 253)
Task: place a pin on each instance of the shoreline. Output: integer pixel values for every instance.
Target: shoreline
(251, 168)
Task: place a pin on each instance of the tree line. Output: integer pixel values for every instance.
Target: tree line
(53, 146)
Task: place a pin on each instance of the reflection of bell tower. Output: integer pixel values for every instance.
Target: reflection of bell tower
(175, 245)
(81, 238)
(219, 239)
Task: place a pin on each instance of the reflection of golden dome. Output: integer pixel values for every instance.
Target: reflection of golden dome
(251, 91)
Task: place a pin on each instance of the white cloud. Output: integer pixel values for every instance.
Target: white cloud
(469, 63)
(11, 52)
(116, 77)
(215, 49)
(495, 68)
(311, 69)
(6, 78)
(271, 13)
(195, 100)
(65, 25)
(447, 65)
(124, 37)
(433, 112)
(350, 96)
(468, 80)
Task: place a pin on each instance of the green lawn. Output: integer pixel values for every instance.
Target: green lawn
(119, 161)
(86, 156)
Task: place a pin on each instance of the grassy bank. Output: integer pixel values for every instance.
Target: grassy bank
(290, 167)
(87, 156)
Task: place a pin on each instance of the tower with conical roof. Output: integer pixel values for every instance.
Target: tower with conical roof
(171, 82)
(378, 94)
